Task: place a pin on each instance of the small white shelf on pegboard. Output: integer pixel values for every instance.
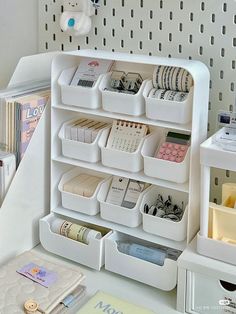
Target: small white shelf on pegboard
(213, 155)
(64, 163)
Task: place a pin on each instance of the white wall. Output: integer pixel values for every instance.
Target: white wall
(18, 34)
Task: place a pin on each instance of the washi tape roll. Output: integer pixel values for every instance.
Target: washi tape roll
(171, 95)
(172, 78)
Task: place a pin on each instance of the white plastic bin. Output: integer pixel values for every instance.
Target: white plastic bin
(85, 205)
(91, 255)
(165, 110)
(162, 277)
(176, 231)
(83, 151)
(121, 215)
(120, 102)
(163, 169)
(132, 162)
(79, 96)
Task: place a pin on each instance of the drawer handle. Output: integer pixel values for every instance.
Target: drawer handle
(228, 285)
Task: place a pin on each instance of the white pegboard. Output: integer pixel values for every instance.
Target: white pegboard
(203, 30)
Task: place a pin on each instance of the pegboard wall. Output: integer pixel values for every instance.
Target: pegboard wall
(192, 29)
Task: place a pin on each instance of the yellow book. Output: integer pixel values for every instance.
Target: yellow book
(102, 302)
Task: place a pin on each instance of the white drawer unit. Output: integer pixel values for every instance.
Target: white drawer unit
(206, 294)
(205, 285)
(69, 158)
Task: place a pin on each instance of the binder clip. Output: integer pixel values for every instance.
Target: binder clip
(76, 19)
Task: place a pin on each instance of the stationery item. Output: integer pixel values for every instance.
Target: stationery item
(117, 80)
(126, 136)
(74, 231)
(175, 147)
(84, 185)
(125, 192)
(89, 71)
(117, 190)
(84, 130)
(133, 82)
(103, 302)
(71, 130)
(70, 301)
(26, 295)
(39, 274)
(152, 255)
(165, 209)
(7, 172)
(164, 94)
(172, 78)
(19, 117)
(134, 189)
(129, 83)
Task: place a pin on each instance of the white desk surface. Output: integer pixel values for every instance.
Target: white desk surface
(151, 298)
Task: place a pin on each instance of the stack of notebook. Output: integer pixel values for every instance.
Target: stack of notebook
(19, 116)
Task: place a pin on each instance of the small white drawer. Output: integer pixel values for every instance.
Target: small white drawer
(176, 231)
(121, 215)
(132, 162)
(83, 151)
(85, 205)
(163, 169)
(162, 277)
(91, 255)
(206, 294)
(79, 96)
(165, 110)
(120, 102)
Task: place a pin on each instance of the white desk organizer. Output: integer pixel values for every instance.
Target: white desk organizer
(85, 205)
(123, 103)
(132, 164)
(176, 231)
(91, 255)
(165, 110)
(77, 95)
(215, 156)
(83, 151)
(130, 217)
(163, 169)
(162, 277)
(27, 199)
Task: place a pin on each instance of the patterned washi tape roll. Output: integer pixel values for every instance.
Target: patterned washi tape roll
(170, 95)
(172, 78)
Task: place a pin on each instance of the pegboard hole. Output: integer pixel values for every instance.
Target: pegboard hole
(227, 173)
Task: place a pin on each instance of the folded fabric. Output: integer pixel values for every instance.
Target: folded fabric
(16, 290)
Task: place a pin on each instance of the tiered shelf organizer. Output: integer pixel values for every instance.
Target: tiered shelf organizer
(188, 189)
(215, 156)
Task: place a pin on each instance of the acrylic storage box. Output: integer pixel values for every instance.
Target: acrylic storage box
(91, 255)
(163, 169)
(83, 151)
(79, 203)
(176, 231)
(165, 110)
(130, 217)
(120, 102)
(84, 97)
(162, 277)
(132, 162)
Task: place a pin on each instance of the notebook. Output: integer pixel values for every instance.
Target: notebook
(17, 290)
(103, 302)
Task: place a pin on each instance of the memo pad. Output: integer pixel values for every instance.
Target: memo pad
(16, 289)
